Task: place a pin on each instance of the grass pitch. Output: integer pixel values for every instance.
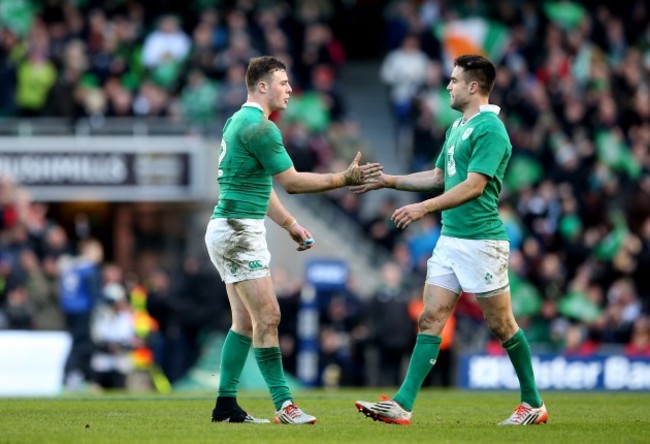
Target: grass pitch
(440, 417)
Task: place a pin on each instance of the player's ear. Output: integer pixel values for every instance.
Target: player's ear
(263, 86)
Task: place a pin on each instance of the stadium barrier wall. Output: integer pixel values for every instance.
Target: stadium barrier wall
(31, 363)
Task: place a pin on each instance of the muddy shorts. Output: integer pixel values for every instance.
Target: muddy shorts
(237, 248)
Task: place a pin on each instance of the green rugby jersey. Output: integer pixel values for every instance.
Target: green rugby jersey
(480, 145)
(251, 153)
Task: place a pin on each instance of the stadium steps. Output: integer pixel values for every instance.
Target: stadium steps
(336, 238)
(366, 98)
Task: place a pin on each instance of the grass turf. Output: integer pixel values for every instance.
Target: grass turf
(440, 416)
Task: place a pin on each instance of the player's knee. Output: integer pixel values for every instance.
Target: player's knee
(270, 321)
(432, 322)
(500, 328)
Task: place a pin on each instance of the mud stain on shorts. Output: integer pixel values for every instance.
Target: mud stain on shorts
(238, 243)
(498, 252)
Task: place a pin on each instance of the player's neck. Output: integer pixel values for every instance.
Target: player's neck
(252, 101)
(473, 108)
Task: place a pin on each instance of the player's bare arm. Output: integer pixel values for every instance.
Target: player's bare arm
(295, 182)
(430, 180)
(469, 189)
(281, 216)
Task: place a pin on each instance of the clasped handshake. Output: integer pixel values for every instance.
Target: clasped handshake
(360, 179)
(362, 175)
(370, 176)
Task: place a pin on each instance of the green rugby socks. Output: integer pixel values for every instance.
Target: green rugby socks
(423, 358)
(270, 362)
(521, 358)
(233, 357)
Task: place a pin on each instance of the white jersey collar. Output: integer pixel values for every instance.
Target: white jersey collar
(482, 109)
(496, 109)
(253, 105)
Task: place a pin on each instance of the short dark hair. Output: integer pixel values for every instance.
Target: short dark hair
(479, 69)
(260, 68)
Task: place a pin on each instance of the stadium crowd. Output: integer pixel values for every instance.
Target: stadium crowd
(574, 88)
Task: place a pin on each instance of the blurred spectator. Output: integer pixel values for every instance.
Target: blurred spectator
(381, 228)
(199, 99)
(421, 239)
(288, 290)
(323, 81)
(113, 334)
(404, 71)
(35, 75)
(231, 92)
(10, 49)
(185, 307)
(41, 286)
(80, 291)
(238, 52)
(639, 345)
(18, 310)
(392, 331)
(320, 48)
(168, 43)
(623, 308)
(151, 101)
(341, 358)
(61, 98)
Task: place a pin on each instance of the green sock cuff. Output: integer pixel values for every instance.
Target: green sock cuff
(241, 338)
(512, 342)
(269, 360)
(267, 353)
(423, 338)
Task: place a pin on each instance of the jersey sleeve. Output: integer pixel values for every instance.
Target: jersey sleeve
(489, 147)
(268, 148)
(440, 162)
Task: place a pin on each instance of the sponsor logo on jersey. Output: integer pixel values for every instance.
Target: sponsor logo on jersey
(255, 265)
(451, 162)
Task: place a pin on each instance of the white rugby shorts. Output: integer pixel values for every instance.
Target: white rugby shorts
(472, 266)
(237, 248)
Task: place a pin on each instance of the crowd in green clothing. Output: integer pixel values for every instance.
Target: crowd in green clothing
(572, 82)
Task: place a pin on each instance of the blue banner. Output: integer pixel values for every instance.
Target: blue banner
(557, 372)
(327, 274)
(323, 276)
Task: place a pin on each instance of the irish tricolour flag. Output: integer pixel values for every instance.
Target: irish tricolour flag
(474, 35)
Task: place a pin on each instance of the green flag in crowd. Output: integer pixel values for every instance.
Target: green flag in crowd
(578, 306)
(565, 14)
(522, 172)
(310, 109)
(17, 15)
(526, 299)
(614, 152)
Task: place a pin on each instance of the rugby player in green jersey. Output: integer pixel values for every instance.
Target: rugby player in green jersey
(473, 250)
(251, 156)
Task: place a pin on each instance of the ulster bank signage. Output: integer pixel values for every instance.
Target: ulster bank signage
(557, 372)
(115, 169)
